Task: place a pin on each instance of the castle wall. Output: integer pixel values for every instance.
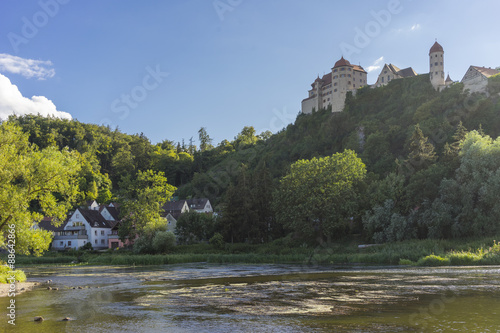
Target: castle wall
(475, 81)
(309, 104)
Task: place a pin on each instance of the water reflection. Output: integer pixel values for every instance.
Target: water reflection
(261, 298)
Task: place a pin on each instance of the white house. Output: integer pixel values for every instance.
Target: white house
(91, 224)
(476, 78)
(390, 72)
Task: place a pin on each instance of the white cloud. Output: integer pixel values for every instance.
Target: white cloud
(415, 27)
(375, 65)
(12, 102)
(26, 67)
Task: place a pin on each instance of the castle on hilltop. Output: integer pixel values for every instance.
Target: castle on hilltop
(332, 88)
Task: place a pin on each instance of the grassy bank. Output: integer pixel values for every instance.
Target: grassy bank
(416, 252)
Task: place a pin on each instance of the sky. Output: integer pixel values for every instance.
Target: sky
(168, 68)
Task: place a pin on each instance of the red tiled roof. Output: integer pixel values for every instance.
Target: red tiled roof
(486, 71)
(358, 68)
(436, 48)
(342, 62)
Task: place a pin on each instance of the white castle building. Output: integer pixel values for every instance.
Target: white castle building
(332, 88)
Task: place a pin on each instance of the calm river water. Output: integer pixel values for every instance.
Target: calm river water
(260, 298)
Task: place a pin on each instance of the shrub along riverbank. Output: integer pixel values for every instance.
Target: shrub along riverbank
(484, 251)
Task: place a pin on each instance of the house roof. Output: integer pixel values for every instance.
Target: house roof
(393, 68)
(46, 224)
(436, 47)
(112, 210)
(174, 205)
(448, 78)
(94, 218)
(486, 71)
(407, 72)
(342, 62)
(197, 203)
(358, 68)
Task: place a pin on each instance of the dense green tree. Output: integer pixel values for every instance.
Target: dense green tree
(193, 227)
(317, 197)
(33, 183)
(205, 141)
(142, 202)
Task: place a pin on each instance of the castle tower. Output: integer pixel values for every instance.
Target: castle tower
(436, 66)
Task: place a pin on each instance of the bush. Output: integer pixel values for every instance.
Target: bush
(433, 260)
(217, 241)
(6, 272)
(163, 241)
(143, 245)
(406, 262)
(86, 247)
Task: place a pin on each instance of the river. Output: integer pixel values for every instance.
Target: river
(259, 298)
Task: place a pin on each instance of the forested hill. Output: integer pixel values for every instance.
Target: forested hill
(377, 124)
(408, 135)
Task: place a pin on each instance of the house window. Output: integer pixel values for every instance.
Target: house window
(77, 216)
(382, 79)
(354, 85)
(335, 90)
(95, 232)
(61, 243)
(69, 243)
(102, 241)
(95, 241)
(102, 232)
(348, 75)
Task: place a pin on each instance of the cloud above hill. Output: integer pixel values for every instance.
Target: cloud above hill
(12, 102)
(28, 68)
(375, 65)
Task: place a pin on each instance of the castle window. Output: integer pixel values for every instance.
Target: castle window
(431, 65)
(335, 84)
(348, 75)
(342, 69)
(349, 82)
(335, 70)
(336, 77)
(354, 86)
(328, 98)
(435, 64)
(441, 64)
(349, 69)
(382, 79)
(436, 73)
(335, 90)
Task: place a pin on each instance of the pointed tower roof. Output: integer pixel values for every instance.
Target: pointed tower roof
(448, 79)
(436, 48)
(342, 62)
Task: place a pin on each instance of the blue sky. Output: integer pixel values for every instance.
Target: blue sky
(167, 68)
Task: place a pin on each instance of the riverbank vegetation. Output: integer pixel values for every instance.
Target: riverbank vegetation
(482, 251)
(401, 165)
